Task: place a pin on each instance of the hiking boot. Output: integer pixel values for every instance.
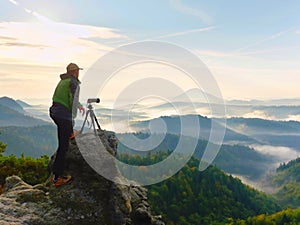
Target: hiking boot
(62, 180)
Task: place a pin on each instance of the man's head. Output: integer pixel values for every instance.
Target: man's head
(73, 69)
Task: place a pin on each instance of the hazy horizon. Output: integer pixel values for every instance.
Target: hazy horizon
(47, 101)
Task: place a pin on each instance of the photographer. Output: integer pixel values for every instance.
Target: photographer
(64, 99)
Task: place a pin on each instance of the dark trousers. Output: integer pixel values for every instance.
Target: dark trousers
(64, 130)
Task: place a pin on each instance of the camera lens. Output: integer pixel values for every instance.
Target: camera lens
(92, 100)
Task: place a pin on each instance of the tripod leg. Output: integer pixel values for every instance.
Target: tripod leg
(86, 115)
(97, 122)
(93, 123)
(94, 119)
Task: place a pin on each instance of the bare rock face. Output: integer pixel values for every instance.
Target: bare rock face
(22, 204)
(89, 199)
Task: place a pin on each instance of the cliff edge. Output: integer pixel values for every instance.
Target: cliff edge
(89, 199)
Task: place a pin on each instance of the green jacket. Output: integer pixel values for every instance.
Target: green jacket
(65, 94)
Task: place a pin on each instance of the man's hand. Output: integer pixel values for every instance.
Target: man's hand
(82, 110)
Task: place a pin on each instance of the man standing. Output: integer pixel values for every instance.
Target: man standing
(65, 98)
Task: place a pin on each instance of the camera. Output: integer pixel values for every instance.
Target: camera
(93, 100)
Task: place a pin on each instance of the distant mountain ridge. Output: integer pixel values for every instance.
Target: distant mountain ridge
(173, 124)
(271, 102)
(10, 117)
(269, 132)
(257, 125)
(13, 114)
(199, 96)
(23, 104)
(12, 104)
(238, 130)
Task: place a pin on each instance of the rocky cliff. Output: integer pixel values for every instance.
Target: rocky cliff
(89, 199)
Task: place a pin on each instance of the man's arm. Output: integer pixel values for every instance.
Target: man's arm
(74, 87)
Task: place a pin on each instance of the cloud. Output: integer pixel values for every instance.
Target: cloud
(33, 54)
(273, 36)
(293, 118)
(283, 154)
(243, 53)
(25, 31)
(179, 6)
(14, 2)
(258, 114)
(48, 33)
(51, 42)
(212, 53)
(3, 38)
(186, 32)
(19, 44)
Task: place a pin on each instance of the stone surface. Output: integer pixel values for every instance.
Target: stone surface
(89, 199)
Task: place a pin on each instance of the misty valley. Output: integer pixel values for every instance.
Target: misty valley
(255, 171)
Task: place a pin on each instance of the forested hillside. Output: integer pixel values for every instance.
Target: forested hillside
(192, 197)
(30, 141)
(234, 159)
(33, 171)
(284, 217)
(286, 181)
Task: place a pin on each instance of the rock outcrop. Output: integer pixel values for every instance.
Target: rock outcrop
(89, 199)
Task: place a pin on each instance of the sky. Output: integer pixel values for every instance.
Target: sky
(252, 48)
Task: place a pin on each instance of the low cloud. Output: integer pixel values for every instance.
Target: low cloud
(280, 153)
(293, 117)
(258, 114)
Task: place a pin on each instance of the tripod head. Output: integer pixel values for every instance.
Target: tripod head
(90, 106)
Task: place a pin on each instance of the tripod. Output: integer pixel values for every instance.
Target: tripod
(90, 112)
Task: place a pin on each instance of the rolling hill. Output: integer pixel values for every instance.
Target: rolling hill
(11, 117)
(192, 197)
(238, 130)
(12, 113)
(286, 183)
(33, 141)
(271, 132)
(233, 159)
(173, 126)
